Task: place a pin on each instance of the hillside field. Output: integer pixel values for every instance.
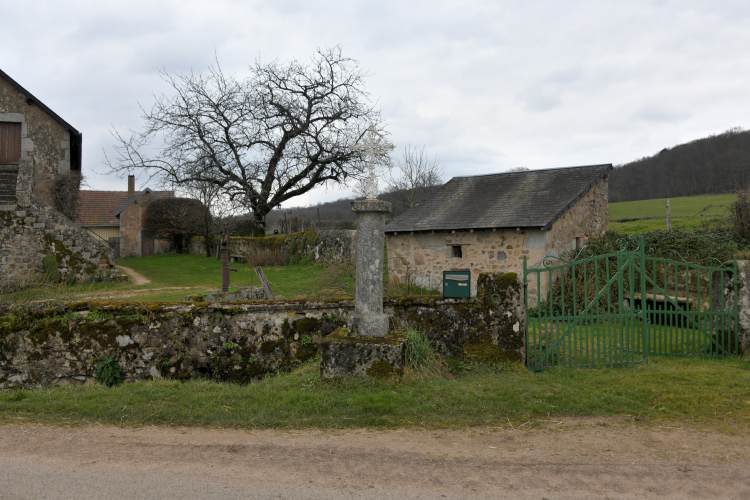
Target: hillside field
(687, 212)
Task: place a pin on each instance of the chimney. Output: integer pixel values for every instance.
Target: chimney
(131, 187)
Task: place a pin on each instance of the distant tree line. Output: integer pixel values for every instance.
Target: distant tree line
(715, 164)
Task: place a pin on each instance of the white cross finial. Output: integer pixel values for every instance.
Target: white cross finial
(374, 146)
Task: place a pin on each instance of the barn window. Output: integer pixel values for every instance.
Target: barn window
(10, 143)
(457, 251)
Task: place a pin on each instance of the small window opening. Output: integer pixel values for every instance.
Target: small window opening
(457, 251)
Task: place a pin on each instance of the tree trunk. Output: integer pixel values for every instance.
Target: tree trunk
(259, 224)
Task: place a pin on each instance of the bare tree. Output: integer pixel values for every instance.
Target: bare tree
(219, 206)
(414, 177)
(277, 134)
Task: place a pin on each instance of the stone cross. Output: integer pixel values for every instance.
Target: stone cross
(374, 146)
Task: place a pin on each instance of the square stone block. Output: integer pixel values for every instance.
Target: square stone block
(350, 356)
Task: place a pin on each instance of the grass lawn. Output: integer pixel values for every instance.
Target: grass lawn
(687, 212)
(199, 273)
(175, 276)
(691, 391)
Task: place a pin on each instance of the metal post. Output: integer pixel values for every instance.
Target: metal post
(644, 301)
(225, 260)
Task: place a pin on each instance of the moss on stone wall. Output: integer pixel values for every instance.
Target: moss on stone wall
(239, 342)
(382, 369)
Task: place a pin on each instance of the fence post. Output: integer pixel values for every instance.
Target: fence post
(526, 314)
(644, 299)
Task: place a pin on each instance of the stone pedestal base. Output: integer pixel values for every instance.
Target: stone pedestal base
(353, 356)
(372, 325)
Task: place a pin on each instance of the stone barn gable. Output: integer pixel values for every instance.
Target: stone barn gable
(44, 144)
(37, 147)
(489, 223)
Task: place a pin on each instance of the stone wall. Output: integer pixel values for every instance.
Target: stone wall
(28, 234)
(329, 244)
(728, 299)
(240, 341)
(421, 258)
(45, 144)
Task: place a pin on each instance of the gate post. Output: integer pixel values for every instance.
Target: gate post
(644, 301)
(525, 313)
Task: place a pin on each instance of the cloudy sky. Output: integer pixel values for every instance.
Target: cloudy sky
(484, 85)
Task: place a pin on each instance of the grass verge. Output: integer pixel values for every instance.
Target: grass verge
(690, 391)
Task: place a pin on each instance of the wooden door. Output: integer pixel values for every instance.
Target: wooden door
(147, 246)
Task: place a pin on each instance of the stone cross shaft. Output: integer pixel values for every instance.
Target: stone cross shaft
(374, 146)
(368, 318)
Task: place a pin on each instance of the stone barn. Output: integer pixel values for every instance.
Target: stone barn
(38, 149)
(489, 223)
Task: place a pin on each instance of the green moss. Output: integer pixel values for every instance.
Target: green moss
(306, 325)
(485, 352)
(35, 356)
(269, 346)
(382, 369)
(342, 335)
(305, 352)
(42, 330)
(506, 280)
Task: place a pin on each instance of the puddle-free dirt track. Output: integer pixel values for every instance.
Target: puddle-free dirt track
(573, 458)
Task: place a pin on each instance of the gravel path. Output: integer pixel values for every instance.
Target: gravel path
(135, 278)
(577, 458)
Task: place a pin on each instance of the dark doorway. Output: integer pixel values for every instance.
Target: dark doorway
(147, 246)
(114, 244)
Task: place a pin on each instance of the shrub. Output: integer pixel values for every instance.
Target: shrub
(420, 355)
(66, 189)
(108, 371)
(176, 219)
(739, 215)
(266, 256)
(51, 272)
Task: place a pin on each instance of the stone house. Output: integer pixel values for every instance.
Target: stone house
(489, 223)
(116, 217)
(37, 148)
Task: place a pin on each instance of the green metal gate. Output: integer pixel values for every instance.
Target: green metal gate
(606, 307)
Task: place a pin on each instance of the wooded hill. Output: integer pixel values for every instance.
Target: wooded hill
(712, 165)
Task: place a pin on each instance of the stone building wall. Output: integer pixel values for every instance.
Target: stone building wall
(241, 341)
(727, 299)
(131, 224)
(29, 233)
(45, 144)
(421, 258)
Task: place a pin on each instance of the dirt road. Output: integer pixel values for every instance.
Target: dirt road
(581, 458)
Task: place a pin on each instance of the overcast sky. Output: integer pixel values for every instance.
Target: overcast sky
(485, 86)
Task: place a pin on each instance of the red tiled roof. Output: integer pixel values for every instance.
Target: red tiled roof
(98, 208)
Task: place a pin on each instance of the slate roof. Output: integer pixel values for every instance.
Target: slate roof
(100, 208)
(530, 198)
